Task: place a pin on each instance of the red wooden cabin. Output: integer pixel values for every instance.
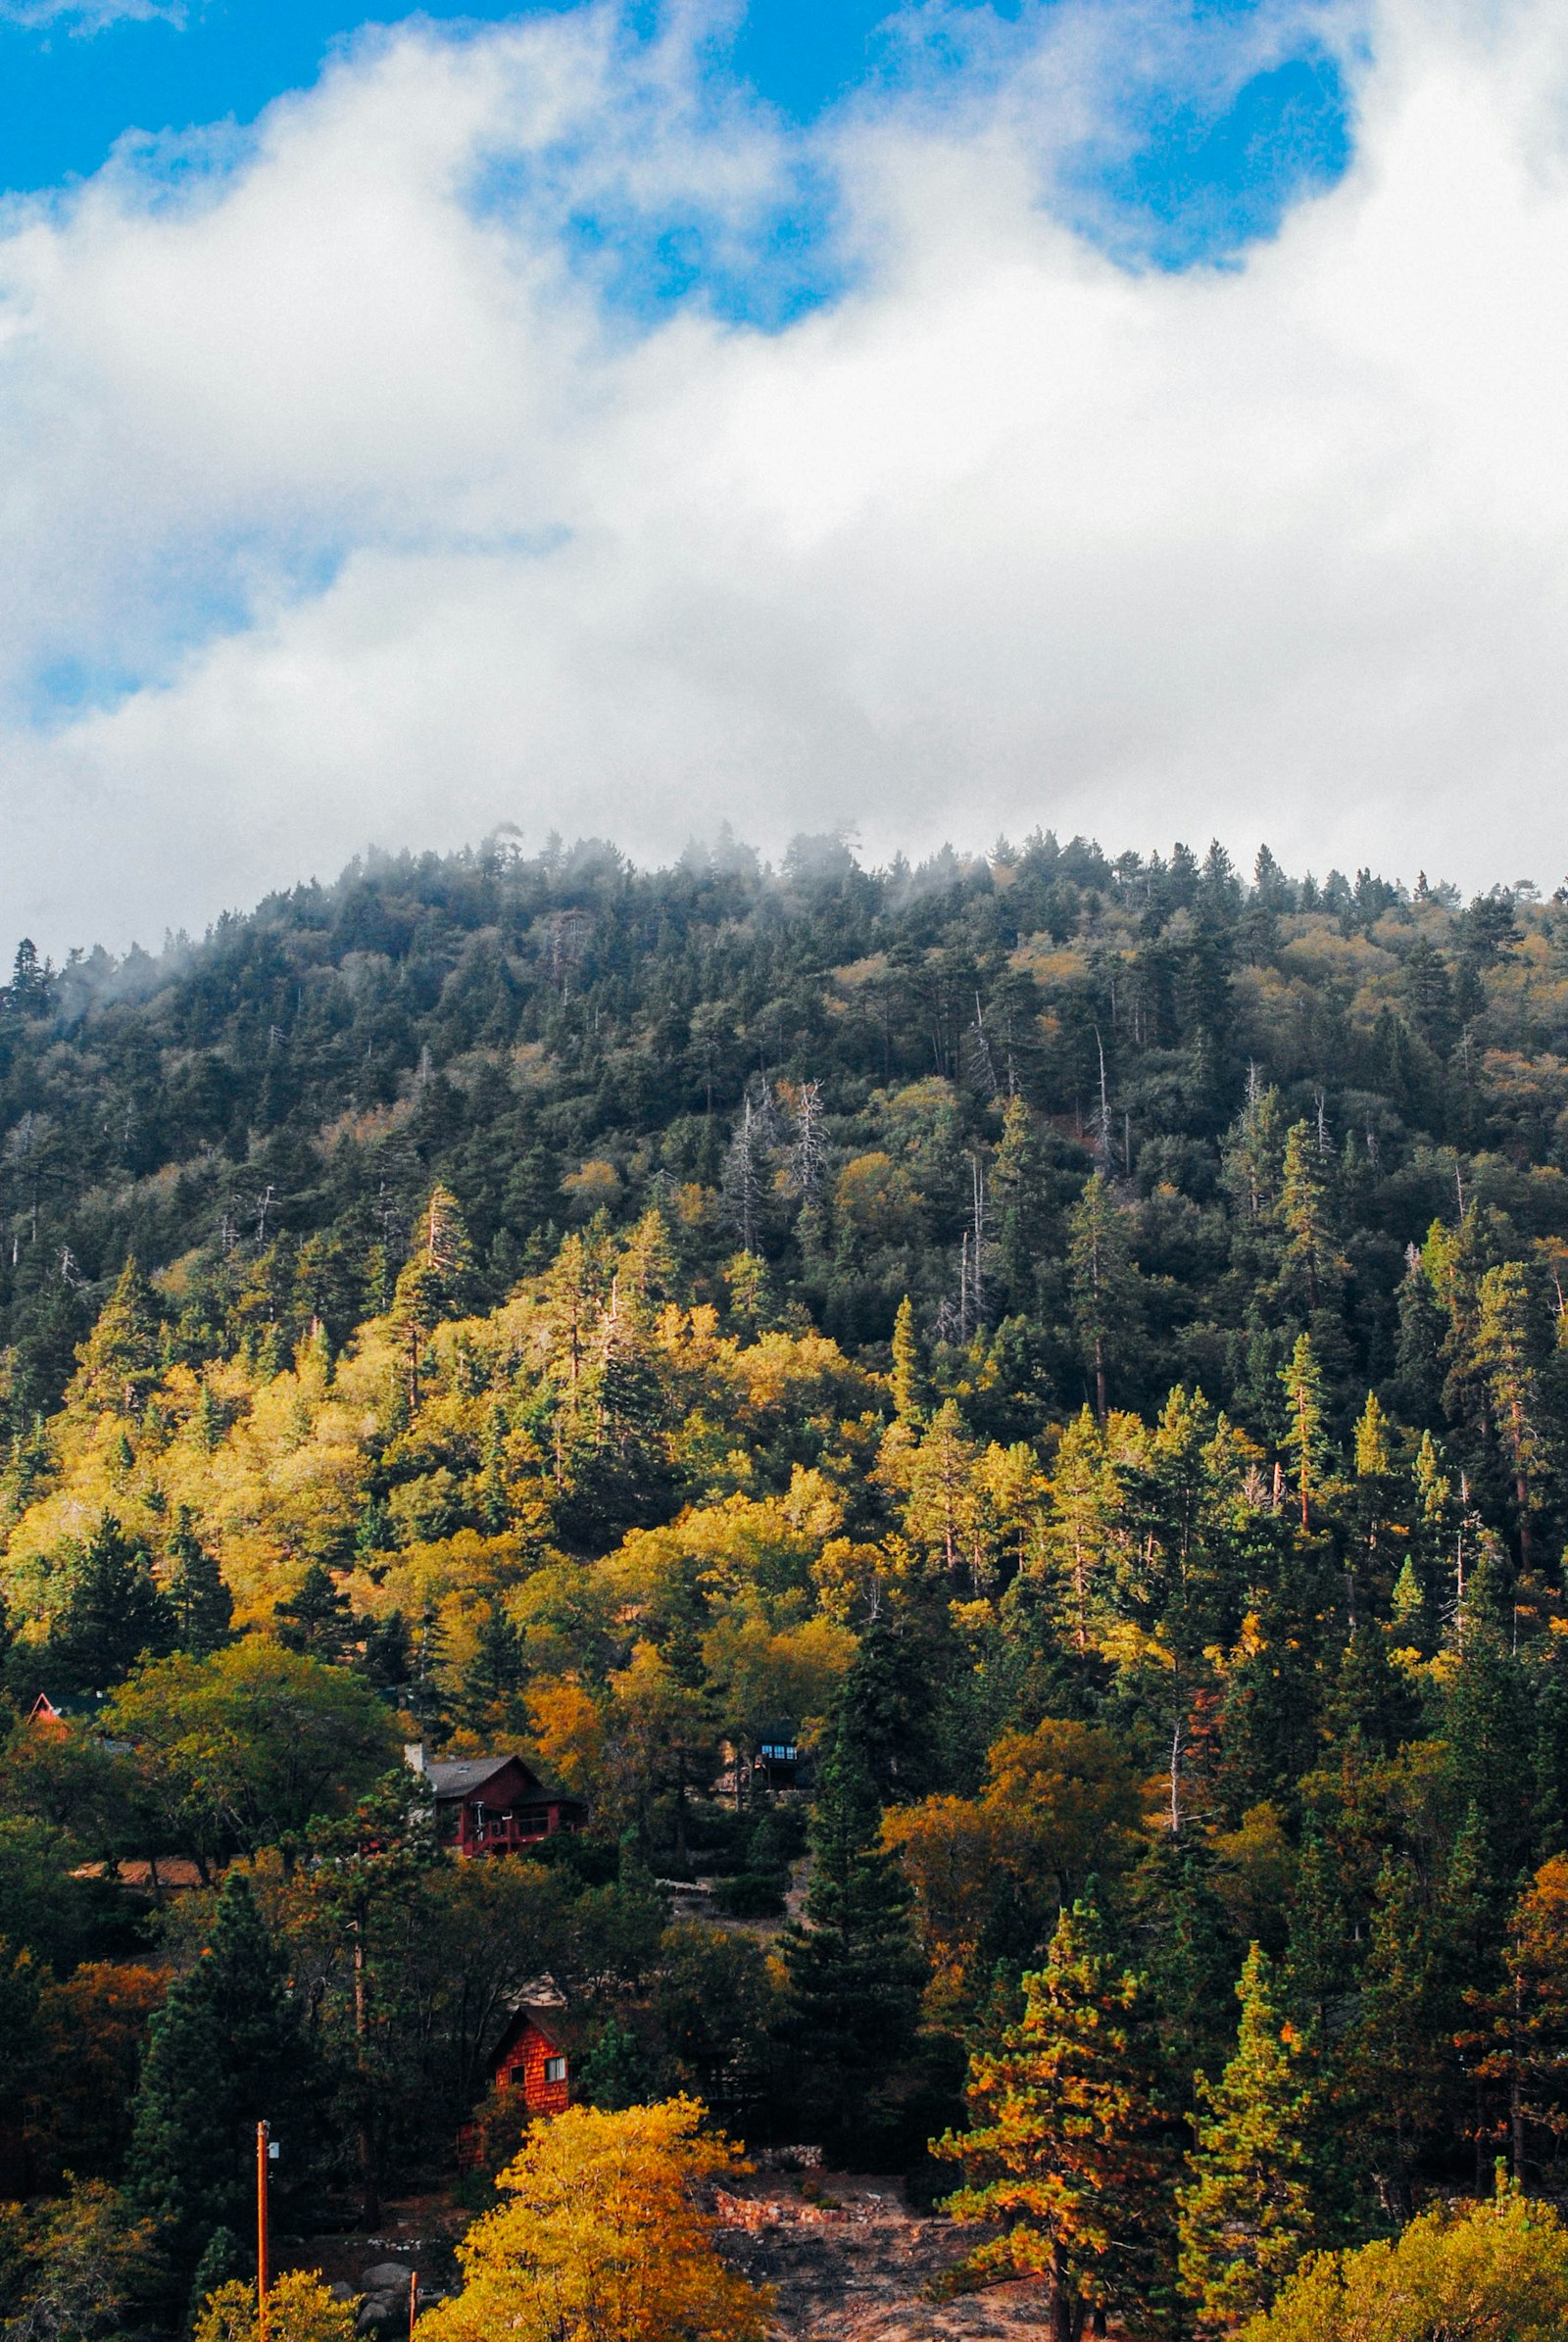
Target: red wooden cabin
(532, 2057)
(494, 1804)
(530, 2067)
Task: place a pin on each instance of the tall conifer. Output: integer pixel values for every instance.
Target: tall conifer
(225, 2053)
(1069, 2152)
(1250, 2207)
(855, 1969)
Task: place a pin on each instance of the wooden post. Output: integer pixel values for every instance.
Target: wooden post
(263, 2237)
(413, 2299)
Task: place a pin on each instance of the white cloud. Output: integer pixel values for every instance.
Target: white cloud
(1002, 536)
(86, 16)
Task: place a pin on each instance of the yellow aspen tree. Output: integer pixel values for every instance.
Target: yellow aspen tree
(597, 2238)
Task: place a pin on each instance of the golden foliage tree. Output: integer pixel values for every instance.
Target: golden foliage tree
(600, 2240)
(1497, 2272)
(1070, 2155)
(299, 2308)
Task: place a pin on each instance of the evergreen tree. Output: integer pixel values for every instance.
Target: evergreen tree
(885, 1712)
(426, 1691)
(202, 1605)
(617, 2072)
(114, 1612)
(910, 1390)
(1069, 2151)
(1305, 1434)
(1428, 995)
(1371, 1701)
(853, 1968)
(225, 2052)
(1253, 1154)
(118, 1363)
(1311, 1270)
(1319, 1966)
(1395, 2054)
(1507, 1346)
(1104, 1282)
(317, 1619)
(1019, 1192)
(435, 1281)
(32, 985)
(495, 1674)
(208, 1419)
(1419, 1376)
(1249, 2209)
(1489, 1743)
(388, 1655)
(1188, 1957)
(1517, 2036)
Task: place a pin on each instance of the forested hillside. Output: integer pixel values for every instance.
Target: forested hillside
(1078, 1345)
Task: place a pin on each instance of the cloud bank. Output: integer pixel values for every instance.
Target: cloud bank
(351, 486)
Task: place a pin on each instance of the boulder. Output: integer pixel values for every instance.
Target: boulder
(387, 2276)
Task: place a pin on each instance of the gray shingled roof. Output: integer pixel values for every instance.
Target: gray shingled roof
(461, 1776)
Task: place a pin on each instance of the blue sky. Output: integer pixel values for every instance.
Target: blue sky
(1188, 175)
(1141, 416)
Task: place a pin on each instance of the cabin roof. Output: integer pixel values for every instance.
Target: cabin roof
(560, 2031)
(464, 1777)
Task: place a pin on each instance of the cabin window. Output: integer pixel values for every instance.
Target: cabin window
(555, 2068)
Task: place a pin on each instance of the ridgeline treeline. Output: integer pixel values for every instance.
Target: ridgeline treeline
(1079, 1343)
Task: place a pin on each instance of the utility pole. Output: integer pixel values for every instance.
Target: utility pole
(413, 2299)
(263, 2141)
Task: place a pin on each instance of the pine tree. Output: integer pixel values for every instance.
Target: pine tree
(942, 1510)
(885, 1712)
(617, 2072)
(1249, 2210)
(1187, 1954)
(113, 1613)
(208, 1419)
(1507, 1346)
(1518, 2036)
(1395, 2054)
(1490, 1747)
(494, 1510)
(1371, 1703)
(1312, 1270)
(1253, 1152)
(389, 1656)
(855, 1969)
(1088, 1509)
(426, 1691)
(910, 1390)
(495, 1674)
(1428, 995)
(1018, 1195)
(1069, 2151)
(1419, 1348)
(434, 1283)
(317, 1620)
(1437, 1517)
(32, 985)
(1306, 1436)
(1104, 1283)
(1374, 1454)
(202, 1605)
(116, 1366)
(225, 2052)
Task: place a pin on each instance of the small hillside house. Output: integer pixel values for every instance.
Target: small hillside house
(532, 2056)
(493, 1804)
(766, 1764)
